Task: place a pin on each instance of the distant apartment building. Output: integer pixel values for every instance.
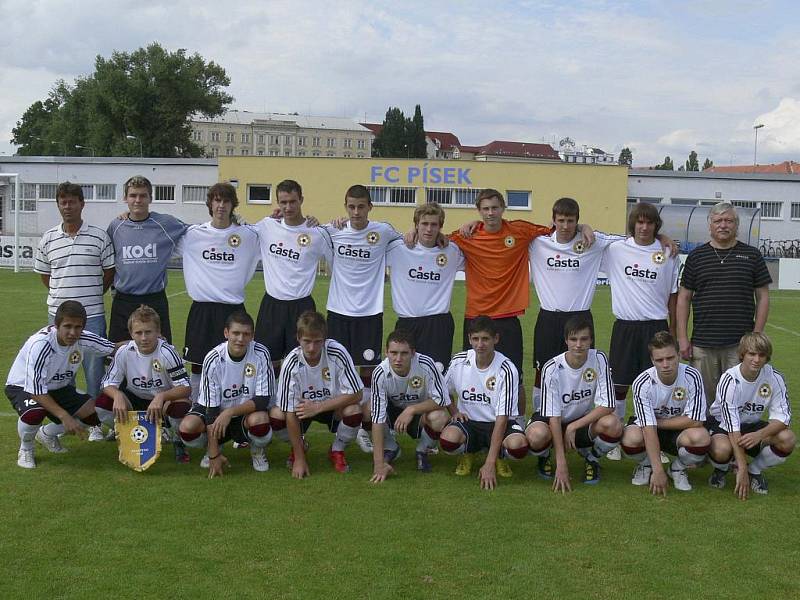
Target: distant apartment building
(245, 133)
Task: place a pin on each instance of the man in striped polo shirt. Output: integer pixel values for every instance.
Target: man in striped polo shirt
(726, 283)
(76, 262)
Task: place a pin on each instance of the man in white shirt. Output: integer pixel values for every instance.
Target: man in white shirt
(745, 394)
(41, 382)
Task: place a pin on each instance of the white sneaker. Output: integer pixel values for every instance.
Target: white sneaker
(205, 463)
(25, 458)
(259, 458)
(95, 434)
(680, 479)
(664, 458)
(52, 443)
(641, 475)
(614, 454)
(364, 441)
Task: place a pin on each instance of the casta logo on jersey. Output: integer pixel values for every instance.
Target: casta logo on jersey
(509, 241)
(234, 241)
(249, 370)
(134, 252)
(576, 396)
(74, 357)
(403, 398)
(146, 383)
(765, 391)
(636, 271)
(214, 255)
(418, 273)
(235, 391)
(303, 240)
(348, 250)
(65, 376)
(156, 365)
(589, 375)
(441, 260)
(559, 262)
(314, 394)
(679, 394)
(470, 396)
(279, 250)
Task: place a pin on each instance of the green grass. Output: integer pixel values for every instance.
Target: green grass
(83, 526)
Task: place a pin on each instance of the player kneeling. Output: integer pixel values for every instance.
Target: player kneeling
(408, 396)
(236, 387)
(318, 382)
(744, 394)
(146, 374)
(577, 408)
(486, 384)
(670, 408)
(41, 382)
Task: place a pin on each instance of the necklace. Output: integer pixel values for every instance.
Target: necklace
(722, 258)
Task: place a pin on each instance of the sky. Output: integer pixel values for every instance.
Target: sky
(662, 78)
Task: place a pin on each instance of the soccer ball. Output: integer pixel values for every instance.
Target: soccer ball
(139, 434)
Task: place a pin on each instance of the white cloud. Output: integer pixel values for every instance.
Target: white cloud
(781, 131)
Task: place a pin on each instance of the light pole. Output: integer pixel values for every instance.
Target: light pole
(85, 148)
(755, 144)
(133, 137)
(63, 144)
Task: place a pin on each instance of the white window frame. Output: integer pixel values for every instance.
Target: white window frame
(190, 193)
(449, 196)
(163, 193)
(794, 211)
(770, 206)
(250, 186)
(384, 195)
(527, 206)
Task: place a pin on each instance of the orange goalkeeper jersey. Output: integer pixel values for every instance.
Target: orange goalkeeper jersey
(497, 268)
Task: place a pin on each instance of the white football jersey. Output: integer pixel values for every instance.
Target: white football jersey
(483, 394)
(571, 393)
(333, 375)
(218, 263)
(423, 382)
(422, 278)
(653, 399)
(43, 364)
(565, 275)
(740, 401)
(359, 264)
(227, 382)
(290, 255)
(642, 279)
(145, 375)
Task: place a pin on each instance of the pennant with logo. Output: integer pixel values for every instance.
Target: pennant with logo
(139, 441)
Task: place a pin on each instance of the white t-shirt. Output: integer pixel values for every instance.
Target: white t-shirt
(422, 278)
(740, 401)
(333, 375)
(571, 393)
(290, 255)
(653, 400)
(218, 263)
(145, 375)
(642, 279)
(359, 264)
(483, 394)
(43, 364)
(423, 382)
(565, 275)
(227, 382)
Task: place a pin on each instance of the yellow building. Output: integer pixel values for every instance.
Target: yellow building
(398, 185)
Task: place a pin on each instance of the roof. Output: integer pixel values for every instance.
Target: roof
(787, 167)
(108, 160)
(709, 174)
(445, 139)
(245, 117)
(521, 149)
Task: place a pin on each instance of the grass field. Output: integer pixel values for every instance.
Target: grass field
(83, 526)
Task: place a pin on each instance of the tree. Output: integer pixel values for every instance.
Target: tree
(708, 164)
(149, 93)
(666, 165)
(691, 163)
(401, 137)
(625, 157)
(417, 135)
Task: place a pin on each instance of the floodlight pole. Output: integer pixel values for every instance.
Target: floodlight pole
(755, 144)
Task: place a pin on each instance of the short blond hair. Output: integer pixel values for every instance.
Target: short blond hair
(757, 342)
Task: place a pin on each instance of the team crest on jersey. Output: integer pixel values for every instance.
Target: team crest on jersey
(658, 257)
(491, 383)
(415, 382)
(441, 260)
(74, 357)
(156, 365)
(510, 241)
(249, 370)
(303, 240)
(326, 373)
(589, 375)
(679, 394)
(579, 247)
(765, 391)
(373, 237)
(234, 240)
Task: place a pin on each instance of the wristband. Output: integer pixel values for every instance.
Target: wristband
(215, 457)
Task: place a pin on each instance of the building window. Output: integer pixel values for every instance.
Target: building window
(245, 151)
(360, 144)
(194, 194)
(329, 154)
(273, 153)
(745, 204)
(452, 196)
(215, 136)
(348, 143)
(214, 152)
(163, 193)
(245, 138)
(360, 155)
(275, 139)
(229, 137)
(258, 194)
(301, 153)
(331, 142)
(315, 141)
(518, 198)
(88, 191)
(392, 195)
(301, 140)
(261, 152)
(28, 200)
(771, 210)
(262, 138)
(197, 136)
(287, 139)
(228, 151)
(47, 191)
(106, 191)
(315, 153)
(348, 155)
(795, 210)
(287, 152)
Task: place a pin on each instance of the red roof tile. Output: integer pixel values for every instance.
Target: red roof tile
(788, 167)
(520, 149)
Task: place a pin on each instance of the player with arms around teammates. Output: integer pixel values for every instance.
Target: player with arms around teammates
(746, 393)
(236, 389)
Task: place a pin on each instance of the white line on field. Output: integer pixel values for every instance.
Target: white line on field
(176, 294)
(8, 414)
(784, 329)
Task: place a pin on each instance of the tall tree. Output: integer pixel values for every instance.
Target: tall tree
(707, 164)
(625, 157)
(150, 94)
(666, 165)
(401, 137)
(418, 135)
(691, 163)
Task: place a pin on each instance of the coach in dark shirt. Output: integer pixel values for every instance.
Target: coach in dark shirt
(726, 283)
